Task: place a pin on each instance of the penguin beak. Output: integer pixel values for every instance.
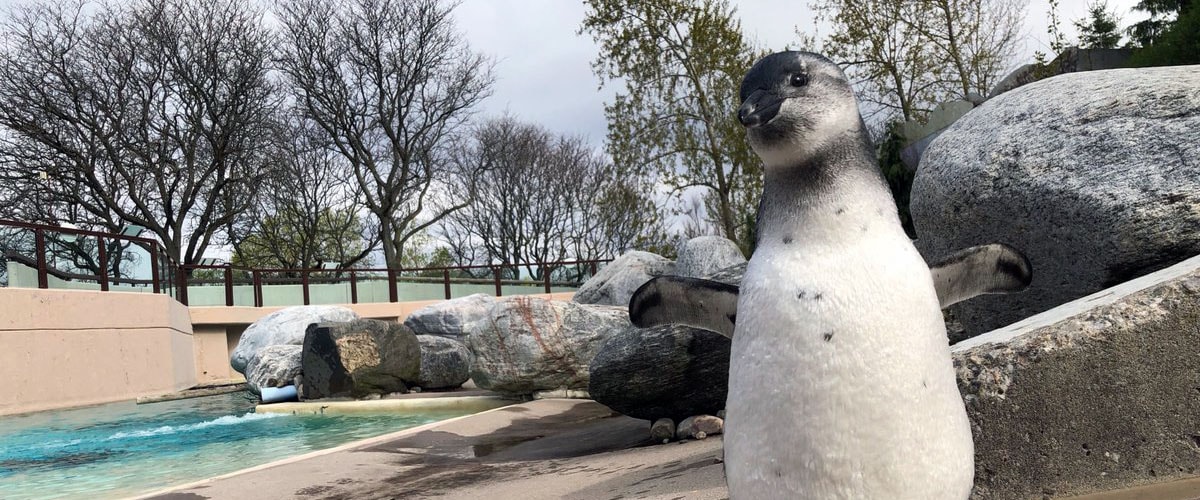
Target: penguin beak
(759, 108)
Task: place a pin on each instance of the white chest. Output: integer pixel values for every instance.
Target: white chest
(841, 383)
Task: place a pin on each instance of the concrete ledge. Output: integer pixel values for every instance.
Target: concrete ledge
(460, 403)
(1098, 394)
(397, 311)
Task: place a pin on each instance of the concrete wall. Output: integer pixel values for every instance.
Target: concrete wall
(63, 348)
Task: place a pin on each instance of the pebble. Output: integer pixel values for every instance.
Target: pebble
(663, 430)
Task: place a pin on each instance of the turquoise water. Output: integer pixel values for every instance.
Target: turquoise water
(122, 449)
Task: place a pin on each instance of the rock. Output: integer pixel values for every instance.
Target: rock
(615, 283)
(699, 427)
(530, 344)
(731, 275)
(561, 394)
(1098, 394)
(357, 358)
(445, 363)
(285, 326)
(450, 318)
(273, 366)
(1019, 77)
(662, 430)
(704, 255)
(1093, 176)
(666, 371)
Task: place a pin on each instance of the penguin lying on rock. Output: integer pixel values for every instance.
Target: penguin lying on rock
(841, 384)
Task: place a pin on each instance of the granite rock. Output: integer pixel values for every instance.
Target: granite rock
(531, 344)
(283, 327)
(445, 363)
(1094, 176)
(666, 371)
(450, 318)
(273, 366)
(615, 283)
(1098, 394)
(705, 255)
(358, 358)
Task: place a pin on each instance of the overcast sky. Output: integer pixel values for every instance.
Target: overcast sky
(543, 67)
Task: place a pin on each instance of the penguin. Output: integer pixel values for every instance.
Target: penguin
(841, 384)
(712, 305)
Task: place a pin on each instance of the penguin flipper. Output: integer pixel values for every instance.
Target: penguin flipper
(967, 273)
(698, 303)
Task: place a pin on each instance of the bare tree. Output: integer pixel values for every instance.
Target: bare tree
(389, 83)
(906, 56)
(307, 214)
(544, 198)
(156, 114)
(892, 67)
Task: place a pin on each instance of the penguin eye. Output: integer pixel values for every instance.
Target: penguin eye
(799, 80)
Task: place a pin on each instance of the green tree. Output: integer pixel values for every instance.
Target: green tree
(1100, 29)
(680, 62)
(291, 240)
(1146, 32)
(1175, 42)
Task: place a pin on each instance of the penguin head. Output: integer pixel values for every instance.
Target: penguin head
(793, 103)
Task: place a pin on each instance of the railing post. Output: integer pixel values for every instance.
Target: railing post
(446, 282)
(39, 247)
(546, 278)
(496, 277)
(353, 287)
(593, 266)
(102, 254)
(228, 286)
(258, 298)
(392, 296)
(182, 279)
(154, 267)
(304, 284)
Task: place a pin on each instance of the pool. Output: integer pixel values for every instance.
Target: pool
(122, 449)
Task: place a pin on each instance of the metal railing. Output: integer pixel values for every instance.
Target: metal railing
(70, 258)
(571, 274)
(74, 255)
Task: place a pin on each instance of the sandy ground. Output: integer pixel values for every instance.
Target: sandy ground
(548, 449)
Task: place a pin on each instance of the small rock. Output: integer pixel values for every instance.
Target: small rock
(663, 430)
(700, 427)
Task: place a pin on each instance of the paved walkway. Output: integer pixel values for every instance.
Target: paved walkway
(547, 449)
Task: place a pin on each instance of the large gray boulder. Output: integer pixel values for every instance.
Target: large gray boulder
(704, 255)
(450, 318)
(283, 327)
(1098, 394)
(666, 371)
(273, 366)
(358, 358)
(445, 363)
(530, 344)
(615, 283)
(1094, 176)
